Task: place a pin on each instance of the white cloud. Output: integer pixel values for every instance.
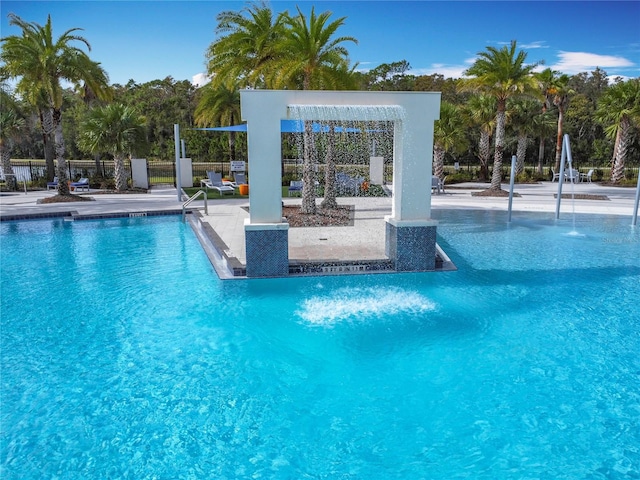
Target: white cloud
(532, 45)
(576, 62)
(200, 79)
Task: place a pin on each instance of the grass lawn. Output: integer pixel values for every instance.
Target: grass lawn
(374, 191)
(215, 195)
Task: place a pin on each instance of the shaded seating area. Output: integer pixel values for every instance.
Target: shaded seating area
(348, 185)
(82, 184)
(214, 182)
(570, 175)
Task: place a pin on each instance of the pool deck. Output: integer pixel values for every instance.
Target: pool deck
(364, 240)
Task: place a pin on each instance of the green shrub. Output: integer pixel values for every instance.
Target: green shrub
(459, 177)
(598, 175)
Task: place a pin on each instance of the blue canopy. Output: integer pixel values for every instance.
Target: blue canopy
(286, 126)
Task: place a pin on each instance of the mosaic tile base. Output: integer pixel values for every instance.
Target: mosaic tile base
(411, 249)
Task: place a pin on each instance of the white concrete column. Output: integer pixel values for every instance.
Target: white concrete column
(139, 175)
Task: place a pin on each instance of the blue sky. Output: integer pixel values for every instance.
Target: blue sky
(148, 40)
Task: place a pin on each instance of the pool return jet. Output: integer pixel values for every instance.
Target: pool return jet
(410, 231)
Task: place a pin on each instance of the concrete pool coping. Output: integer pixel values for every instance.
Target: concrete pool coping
(363, 243)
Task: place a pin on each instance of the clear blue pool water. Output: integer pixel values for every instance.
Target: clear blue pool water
(123, 356)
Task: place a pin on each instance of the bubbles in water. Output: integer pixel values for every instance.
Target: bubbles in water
(361, 304)
(574, 233)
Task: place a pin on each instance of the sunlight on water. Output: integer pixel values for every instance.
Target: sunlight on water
(362, 304)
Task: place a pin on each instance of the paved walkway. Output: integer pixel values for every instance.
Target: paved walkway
(365, 240)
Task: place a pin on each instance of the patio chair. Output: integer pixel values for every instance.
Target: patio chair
(348, 185)
(437, 184)
(295, 188)
(53, 185)
(586, 176)
(215, 182)
(556, 176)
(82, 184)
(572, 175)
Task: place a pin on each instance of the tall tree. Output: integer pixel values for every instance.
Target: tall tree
(43, 63)
(36, 96)
(557, 91)
(219, 105)
(245, 50)
(522, 111)
(11, 124)
(619, 111)
(448, 135)
(480, 111)
(116, 129)
(311, 56)
(390, 76)
(542, 126)
(503, 74)
(164, 102)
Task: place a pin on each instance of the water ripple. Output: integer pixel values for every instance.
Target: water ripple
(362, 304)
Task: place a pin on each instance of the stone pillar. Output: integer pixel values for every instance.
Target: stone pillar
(267, 249)
(411, 246)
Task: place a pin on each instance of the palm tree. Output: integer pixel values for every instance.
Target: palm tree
(219, 105)
(42, 63)
(619, 111)
(481, 112)
(522, 111)
(11, 124)
(246, 49)
(312, 57)
(36, 96)
(556, 90)
(502, 74)
(116, 129)
(448, 135)
(542, 125)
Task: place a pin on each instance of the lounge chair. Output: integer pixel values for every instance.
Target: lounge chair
(295, 187)
(81, 184)
(238, 179)
(53, 185)
(556, 176)
(215, 182)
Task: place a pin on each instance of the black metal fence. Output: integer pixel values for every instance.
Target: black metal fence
(159, 173)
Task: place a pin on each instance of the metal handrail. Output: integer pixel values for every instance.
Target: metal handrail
(193, 198)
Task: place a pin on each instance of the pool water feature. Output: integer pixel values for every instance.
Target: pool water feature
(123, 356)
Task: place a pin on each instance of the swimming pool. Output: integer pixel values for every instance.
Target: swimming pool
(123, 356)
